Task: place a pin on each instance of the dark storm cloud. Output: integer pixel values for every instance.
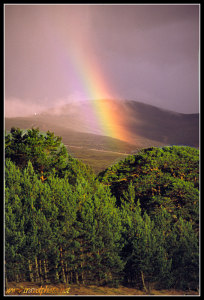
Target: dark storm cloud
(146, 52)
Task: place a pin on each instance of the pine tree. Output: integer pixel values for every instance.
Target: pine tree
(98, 230)
(14, 223)
(185, 255)
(63, 225)
(45, 151)
(146, 258)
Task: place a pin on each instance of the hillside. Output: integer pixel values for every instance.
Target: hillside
(95, 150)
(146, 126)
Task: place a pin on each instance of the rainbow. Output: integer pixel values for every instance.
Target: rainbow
(90, 81)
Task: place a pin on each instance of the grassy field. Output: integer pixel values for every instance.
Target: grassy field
(97, 159)
(27, 288)
(97, 151)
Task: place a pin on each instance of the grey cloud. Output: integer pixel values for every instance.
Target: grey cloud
(148, 51)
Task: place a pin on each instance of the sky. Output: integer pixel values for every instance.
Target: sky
(57, 54)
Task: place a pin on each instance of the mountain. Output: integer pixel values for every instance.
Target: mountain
(146, 125)
(98, 151)
(161, 125)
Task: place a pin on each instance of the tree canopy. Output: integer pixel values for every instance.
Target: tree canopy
(165, 177)
(45, 150)
(136, 223)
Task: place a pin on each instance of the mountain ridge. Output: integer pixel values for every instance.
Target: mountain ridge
(147, 125)
(139, 120)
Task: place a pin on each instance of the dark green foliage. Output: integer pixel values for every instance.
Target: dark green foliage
(185, 255)
(45, 151)
(138, 224)
(157, 245)
(162, 177)
(72, 229)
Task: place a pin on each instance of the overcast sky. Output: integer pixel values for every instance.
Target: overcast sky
(147, 53)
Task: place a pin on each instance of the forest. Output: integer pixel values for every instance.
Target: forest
(136, 223)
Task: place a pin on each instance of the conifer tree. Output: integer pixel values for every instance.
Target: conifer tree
(45, 151)
(64, 225)
(184, 251)
(14, 223)
(144, 252)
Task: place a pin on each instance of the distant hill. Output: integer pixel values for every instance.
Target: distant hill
(96, 150)
(69, 136)
(164, 126)
(146, 125)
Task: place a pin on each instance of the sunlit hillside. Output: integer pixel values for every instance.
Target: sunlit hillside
(143, 125)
